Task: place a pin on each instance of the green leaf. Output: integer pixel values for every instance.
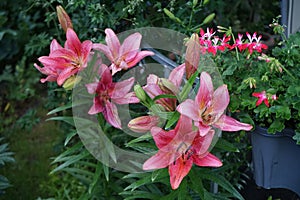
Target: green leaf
(96, 176)
(106, 172)
(144, 137)
(172, 120)
(69, 137)
(276, 126)
(225, 145)
(164, 96)
(70, 160)
(229, 71)
(188, 86)
(281, 111)
(182, 190)
(66, 119)
(61, 108)
(138, 194)
(297, 137)
(222, 182)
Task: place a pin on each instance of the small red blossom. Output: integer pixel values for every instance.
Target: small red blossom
(262, 97)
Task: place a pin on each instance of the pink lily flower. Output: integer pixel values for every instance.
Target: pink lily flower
(262, 97)
(122, 56)
(63, 63)
(179, 149)
(156, 86)
(208, 108)
(108, 94)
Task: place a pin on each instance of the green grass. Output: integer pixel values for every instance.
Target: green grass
(33, 151)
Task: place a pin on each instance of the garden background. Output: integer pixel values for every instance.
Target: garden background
(29, 143)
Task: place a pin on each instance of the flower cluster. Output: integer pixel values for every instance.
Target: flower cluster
(262, 81)
(184, 141)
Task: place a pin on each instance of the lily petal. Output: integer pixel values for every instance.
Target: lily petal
(97, 107)
(122, 88)
(91, 87)
(227, 123)
(205, 91)
(220, 101)
(128, 98)
(54, 45)
(65, 74)
(177, 74)
(73, 43)
(112, 42)
(161, 137)
(208, 161)
(139, 56)
(111, 115)
(160, 160)
(178, 170)
(130, 44)
(105, 49)
(202, 144)
(189, 109)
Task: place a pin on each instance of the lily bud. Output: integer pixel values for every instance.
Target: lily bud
(140, 93)
(143, 124)
(70, 82)
(209, 18)
(167, 86)
(192, 55)
(63, 18)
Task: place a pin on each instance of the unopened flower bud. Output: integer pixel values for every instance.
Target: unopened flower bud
(167, 86)
(140, 93)
(63, 18)
(143, 124)
(70, 82)
(209, 18)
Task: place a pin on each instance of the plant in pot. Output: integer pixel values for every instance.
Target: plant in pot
(265, 91)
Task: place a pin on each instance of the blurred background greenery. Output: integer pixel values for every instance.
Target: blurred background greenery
(29, 142)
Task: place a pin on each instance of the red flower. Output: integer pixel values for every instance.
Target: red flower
(262, 97)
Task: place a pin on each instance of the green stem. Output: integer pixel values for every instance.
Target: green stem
(288, 72)
(236, 49)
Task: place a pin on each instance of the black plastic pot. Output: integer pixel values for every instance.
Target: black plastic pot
(276, 159)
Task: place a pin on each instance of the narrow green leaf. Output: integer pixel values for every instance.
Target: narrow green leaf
(188, 86)
(66, 119)
(68, 152)
(106, 172)
(61, 108)
(96, 177)
(222, 182)
(69, 137)
(71, 160)
(172, 120)
(144, 137)
(164, 96)
(225, 145)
